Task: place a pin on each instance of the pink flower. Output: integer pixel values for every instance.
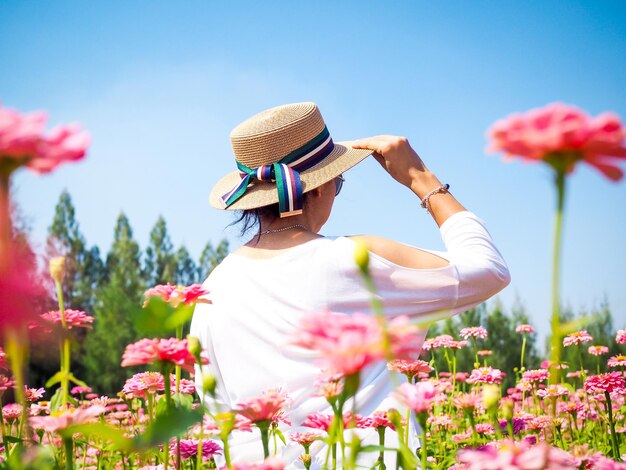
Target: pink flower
(238, 422)
(348, 343)
(598, 350)
(561, 133)
(3, 362)
(410, 368)
(323, 421)
(536, 375)
(78, 390)
(23, 141)
(380, 419)
(189, 448)
(73, 318)
(620, 337)
(304, 438)
(6, 383)
(609, 382)
(486, 375)
(176, 295)
(552, 391)
(11, 411)
(615, 361)
(484, 352)
(418, 397)
(66, 418)
(265, 407)
(467, 401)
(514, 455)
(34, 394)
(473, 332)
(577, 337)
(271, 463)
(152, 351)
(145, 382)
(525, 329)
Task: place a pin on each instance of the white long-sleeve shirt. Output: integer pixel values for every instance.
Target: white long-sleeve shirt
(258, 303)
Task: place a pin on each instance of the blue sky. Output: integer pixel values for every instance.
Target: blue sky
(159, 84)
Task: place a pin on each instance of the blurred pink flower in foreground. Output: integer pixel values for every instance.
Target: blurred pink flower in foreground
(418, 397)
(66, 418)
(153, 351)
(513, 455)
(176, 295)
(348, 343)
(271, 463)
(265, 407)
(562, 134)
(22, 140)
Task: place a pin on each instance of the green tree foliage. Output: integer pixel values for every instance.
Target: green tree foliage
(211, 257)
(117, 298)
(84, 268)
(160, 263)
(186, 270)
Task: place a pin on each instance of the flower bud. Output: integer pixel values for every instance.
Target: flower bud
(194, 346)
(491, 395)
(362, 256)
(209, 384)
(508, 406)
(57, 268)
(306, 460)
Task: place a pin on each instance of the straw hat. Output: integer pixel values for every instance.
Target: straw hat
(282, 153)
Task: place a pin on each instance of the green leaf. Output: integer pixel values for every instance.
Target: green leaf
(280, 435)
(182, 399)
(56, 400)
(103, 432)
(173, 422)
(13, 439)
(181, 315)
(55, 379)
(77, 381)
(152, 318)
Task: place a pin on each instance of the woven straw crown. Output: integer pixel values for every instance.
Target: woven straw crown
(270, 136)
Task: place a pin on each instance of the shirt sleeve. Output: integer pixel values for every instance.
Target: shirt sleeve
(475, 272)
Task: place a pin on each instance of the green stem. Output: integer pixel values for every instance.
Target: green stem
(615, 442)
(65, 348)
(165, 370)
(264, 428)
(16, 342)
(69, 453)
(521, 367)
(421, 418)
(555, 353)
(381, 443)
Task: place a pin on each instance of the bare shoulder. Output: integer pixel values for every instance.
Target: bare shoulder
(400, 254)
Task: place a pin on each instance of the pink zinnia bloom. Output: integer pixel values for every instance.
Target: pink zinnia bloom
(176, 295)
(6, 383)
(329, 386)
(620, 337)
(485, 352)
(598, 350)
(486, 375)
(467, 401)
(304, 438)
(66, 418)
(473, 332)
(271, 463)
(189, 448)
(22, 140)
(552, 391)
(152, 351)
(535, 375)
(73, 318)
(145, 382)
(78, 390)
(380, 419)
(615, 361)
(265, 407)
(418, 397)
(563, 132)
(442, 421)
(525, 329)
(577, 337)
(34, 394)
(11, 411)
(239, 423)
(609, 382)
(348, 343)
(410, 368)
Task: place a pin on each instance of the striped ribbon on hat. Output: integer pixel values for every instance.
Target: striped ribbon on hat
(286, 174)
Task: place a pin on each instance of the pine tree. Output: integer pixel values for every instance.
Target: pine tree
(160, 263)
(211, 257)
(186, 270)
(118, 298)
(84, 268)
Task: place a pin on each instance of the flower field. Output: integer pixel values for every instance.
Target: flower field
(561, 415)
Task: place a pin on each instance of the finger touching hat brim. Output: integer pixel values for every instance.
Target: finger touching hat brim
(259, 194)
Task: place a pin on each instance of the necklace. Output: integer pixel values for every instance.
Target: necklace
(265, 232)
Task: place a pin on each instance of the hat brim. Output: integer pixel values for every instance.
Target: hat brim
(259, 194)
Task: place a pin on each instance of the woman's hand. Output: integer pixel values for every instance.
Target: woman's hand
(398, 158)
